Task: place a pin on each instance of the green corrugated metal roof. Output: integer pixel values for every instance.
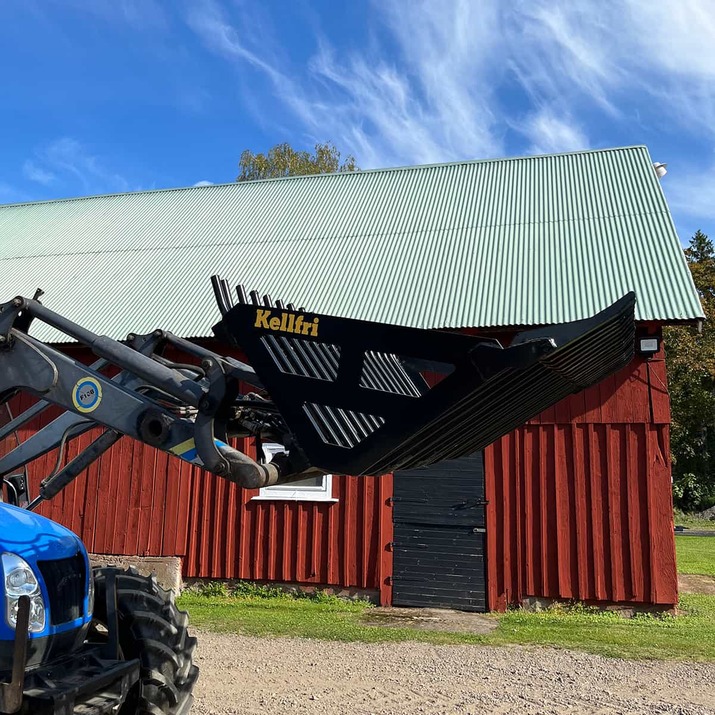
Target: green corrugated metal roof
(524, 241)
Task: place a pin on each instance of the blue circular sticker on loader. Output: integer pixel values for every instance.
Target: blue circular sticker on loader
(87, 394)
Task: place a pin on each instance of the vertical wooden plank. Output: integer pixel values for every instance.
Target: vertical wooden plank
(518, 516)
(546, 539)
(583, 563)
(218, 529)
(637, 461)
(531, 508)
(183, 513)
(169, 522)
(158, 507)
(336, 527)
(385, 537)
(301, 538)
(233, 515)
(494, 567)
(598, 517)
(664, 578)
(614, 469)
(287, 543)
(507, 530)
(367, 524)
(563, 515)
(348, 529)
(246, 530)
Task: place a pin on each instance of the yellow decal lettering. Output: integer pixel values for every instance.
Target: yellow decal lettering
(286, 323)
(262, 319)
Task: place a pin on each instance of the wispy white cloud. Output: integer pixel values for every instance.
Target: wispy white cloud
(605, 53)
(36, 173)
(70, 163)
(550, 133)
(204, 183)
(426, 104)
(691, 191)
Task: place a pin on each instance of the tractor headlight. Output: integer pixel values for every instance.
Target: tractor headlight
(90, 593)
(20, 580)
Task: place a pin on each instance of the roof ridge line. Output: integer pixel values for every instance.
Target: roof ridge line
(385, 170)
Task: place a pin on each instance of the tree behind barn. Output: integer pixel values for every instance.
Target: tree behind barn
(690, 357)
(283, 160)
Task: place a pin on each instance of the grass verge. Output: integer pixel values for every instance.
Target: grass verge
(689, 636)
(691, 521)
(696, 554)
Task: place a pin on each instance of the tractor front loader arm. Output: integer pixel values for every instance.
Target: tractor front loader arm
(184, 409)
(342, 396)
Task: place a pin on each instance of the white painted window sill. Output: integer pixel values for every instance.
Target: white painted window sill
(279, 497)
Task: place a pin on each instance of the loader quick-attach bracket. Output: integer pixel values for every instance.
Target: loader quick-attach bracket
(368, 398)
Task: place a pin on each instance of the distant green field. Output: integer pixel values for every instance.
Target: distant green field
(696, 554)
(689, 521)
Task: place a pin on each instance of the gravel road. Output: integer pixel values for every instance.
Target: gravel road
(289, 675)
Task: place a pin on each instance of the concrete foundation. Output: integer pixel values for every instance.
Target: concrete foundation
(166, 568)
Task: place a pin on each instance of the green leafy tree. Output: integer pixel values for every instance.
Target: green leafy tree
(283, 160)
(690, 356)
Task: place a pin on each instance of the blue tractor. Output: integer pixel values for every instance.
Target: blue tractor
(342, 396)
(77, 640)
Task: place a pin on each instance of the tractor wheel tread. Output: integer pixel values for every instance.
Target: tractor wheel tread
(153, 630)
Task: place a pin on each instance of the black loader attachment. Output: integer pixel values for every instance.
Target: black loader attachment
(367, 398)
(342, 396)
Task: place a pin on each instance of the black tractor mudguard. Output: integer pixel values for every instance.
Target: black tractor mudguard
(368, 398)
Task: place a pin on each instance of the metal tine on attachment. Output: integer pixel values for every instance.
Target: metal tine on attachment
(221, 294)
(241, 294)
(226, 291)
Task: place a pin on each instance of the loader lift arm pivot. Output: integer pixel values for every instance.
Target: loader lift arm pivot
(343, 396)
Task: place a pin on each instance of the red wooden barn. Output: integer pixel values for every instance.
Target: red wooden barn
(574, 505)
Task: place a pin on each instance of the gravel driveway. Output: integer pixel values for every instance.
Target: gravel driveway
(290, 675)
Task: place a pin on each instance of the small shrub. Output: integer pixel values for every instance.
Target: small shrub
(212, 589)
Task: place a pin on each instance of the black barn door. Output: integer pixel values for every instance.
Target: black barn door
(439, 536)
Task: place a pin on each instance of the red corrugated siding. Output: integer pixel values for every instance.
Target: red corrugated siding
(338, 543)
(580, 498)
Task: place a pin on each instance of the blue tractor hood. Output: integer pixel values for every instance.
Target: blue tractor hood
(33, 537)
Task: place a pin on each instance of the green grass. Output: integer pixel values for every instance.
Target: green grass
(696, 554)
(301, 617)
(689, 636)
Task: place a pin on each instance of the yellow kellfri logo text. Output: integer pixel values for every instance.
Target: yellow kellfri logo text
(286, 323)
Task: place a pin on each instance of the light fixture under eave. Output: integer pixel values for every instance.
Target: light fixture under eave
(648, 346)
(660, 169)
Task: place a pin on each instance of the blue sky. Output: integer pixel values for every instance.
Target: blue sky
(119, 95)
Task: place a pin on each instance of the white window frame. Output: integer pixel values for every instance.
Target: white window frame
(293, 491)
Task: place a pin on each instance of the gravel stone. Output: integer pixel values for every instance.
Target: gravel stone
(268, 676)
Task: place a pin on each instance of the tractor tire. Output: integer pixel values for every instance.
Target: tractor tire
(154, 630)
